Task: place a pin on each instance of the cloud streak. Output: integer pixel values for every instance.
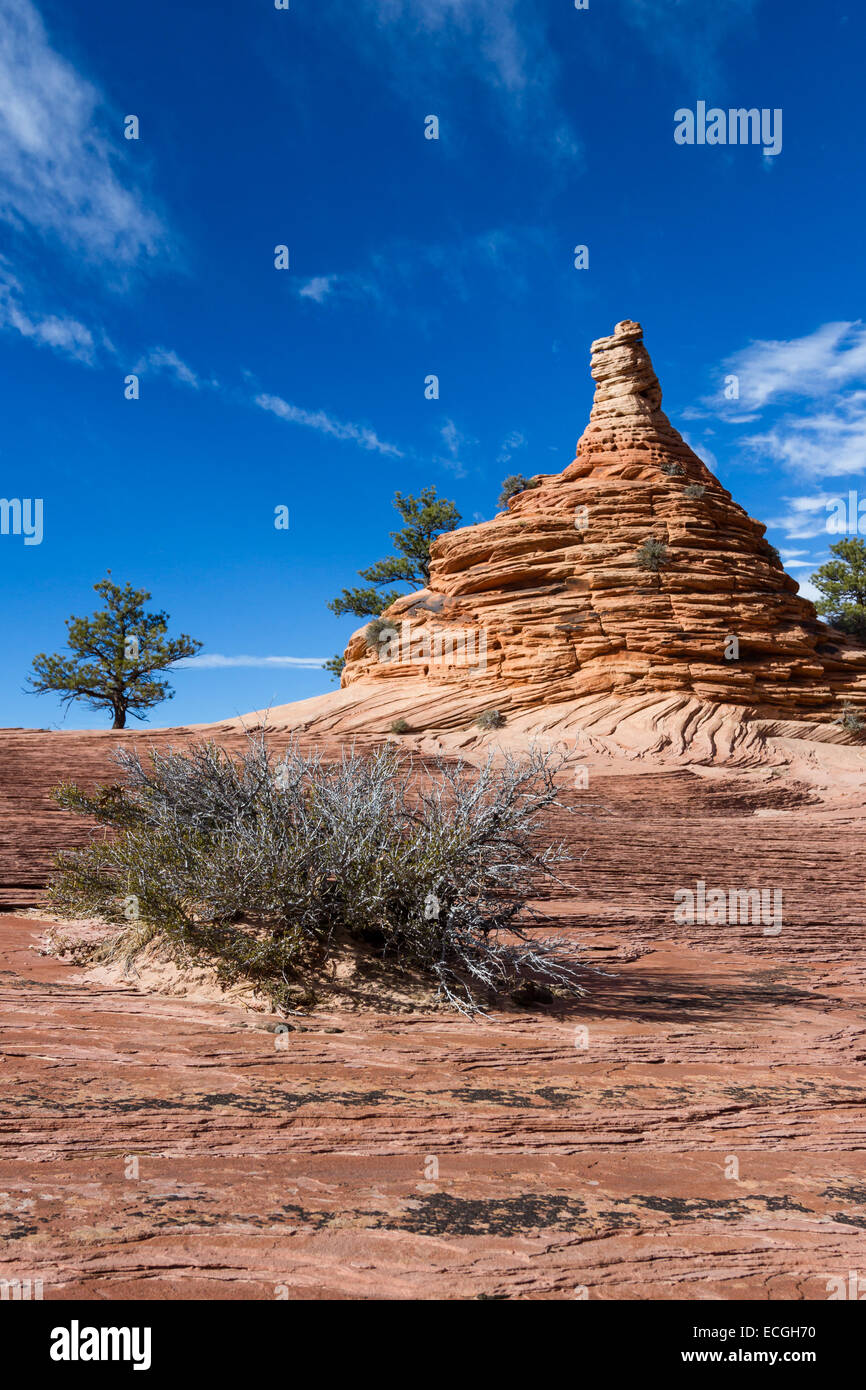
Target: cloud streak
(318, 288)
(166, 362)
(440, 45)
(816, 365)
(61, 332)
(323, 423)
(805, 518)
(831, 444)
(819, 368)
(214, 661)
(692, 35)
(401, 266)
(58, 170)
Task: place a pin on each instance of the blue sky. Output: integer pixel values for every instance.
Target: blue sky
(305, 387)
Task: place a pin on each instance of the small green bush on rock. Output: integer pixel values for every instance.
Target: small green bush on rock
(490, 719)
(511, 486)
(851, 720)
(772, 552)
(377, 631)
(652, 554)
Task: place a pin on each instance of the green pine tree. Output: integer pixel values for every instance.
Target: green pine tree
(843, 585)
(115, 657)
(426, 516)
(335, 665)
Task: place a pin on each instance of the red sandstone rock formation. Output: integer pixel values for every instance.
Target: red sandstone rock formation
(548, 602)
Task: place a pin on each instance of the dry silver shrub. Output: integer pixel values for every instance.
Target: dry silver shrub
(430, 865)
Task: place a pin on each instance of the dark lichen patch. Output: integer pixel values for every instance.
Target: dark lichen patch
(557, 1096)
(721, 1208)
(271, 1102)
(855, 1192)
(688, 1208)
(511, 1100)
(801, 1090)
(611, 1220)
(441, 1214)
(299, 1216)
(783, 1203)
(20, 1232)
(291, 1215)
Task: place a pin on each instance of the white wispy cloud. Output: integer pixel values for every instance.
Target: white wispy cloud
(215, 661)
(690, 35)
(830, 444)
(325, 424)
(61, 163)
(375, 284)
(462, 50)
(62, 332)
(804, 519)
(510, 446)
(455, 443)
(816, 385)
(389, 274)
(166, 360)
(318, 288)
(502, 52)
(818, 364)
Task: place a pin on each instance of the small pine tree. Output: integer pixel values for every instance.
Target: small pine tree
(426, 516)
(115, 657)
(843, 584)
(335, 665)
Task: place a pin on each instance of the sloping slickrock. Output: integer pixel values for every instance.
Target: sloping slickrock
(33, 761)
(694, 1128)
(159, 1148)
(547, 603)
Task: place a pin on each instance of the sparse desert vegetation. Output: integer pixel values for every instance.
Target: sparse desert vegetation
(265, 864)
(491, 719)
(652, 554)
(851, 720)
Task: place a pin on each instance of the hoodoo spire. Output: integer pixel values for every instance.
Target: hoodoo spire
(633, 572)
(628, 396)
